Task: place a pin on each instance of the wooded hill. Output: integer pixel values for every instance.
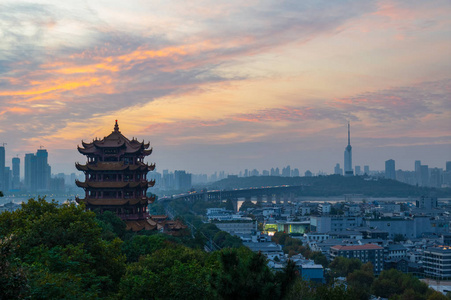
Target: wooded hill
(334, 185)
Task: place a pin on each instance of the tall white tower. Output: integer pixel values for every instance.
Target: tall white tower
(348, 155)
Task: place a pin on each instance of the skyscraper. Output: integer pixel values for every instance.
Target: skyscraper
(366, 170)
(42, 170)
(348, 155)
(358, 170)
(2, 167)
(30, 172)
(16, 173)
(338, 170)
(418, 172)
(390, 169)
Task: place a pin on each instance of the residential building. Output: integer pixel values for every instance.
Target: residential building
(390, 172)
(437, 262)
(365, 253)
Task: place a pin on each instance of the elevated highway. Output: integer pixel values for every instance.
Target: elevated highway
(278, 194)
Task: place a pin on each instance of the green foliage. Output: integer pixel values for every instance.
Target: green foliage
(171, 273)
(13, 280)
(112, 226)
(342, 266)
(360, 281)
(306, 290)
(156, 209)
(62, 251)
(290, 245)
(399, 238)
(397, 285)
(245, 275)
(140, 245)
(248, 204)
(225, 240)
(319, 258)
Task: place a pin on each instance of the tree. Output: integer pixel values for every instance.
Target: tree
(361, 280)
(392, 283)
(141, 245)
(112, 226)
(62, 251)
(342, 266)
(319, 258)
(13, 279)
(245, 275)
(399, 238)
(175, 272)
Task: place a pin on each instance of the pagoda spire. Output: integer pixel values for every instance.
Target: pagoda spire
(116, 127)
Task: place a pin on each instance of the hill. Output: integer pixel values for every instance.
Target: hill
(335, 185)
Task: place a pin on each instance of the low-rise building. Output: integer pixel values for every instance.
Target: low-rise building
(437, 262)
(365, 253)
(395, 252)
(236, 227)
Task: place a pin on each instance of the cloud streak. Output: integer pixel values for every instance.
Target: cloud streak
(212, 73)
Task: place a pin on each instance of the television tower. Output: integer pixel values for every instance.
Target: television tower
(348, 155)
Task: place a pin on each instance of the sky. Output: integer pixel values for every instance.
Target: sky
(229, 85)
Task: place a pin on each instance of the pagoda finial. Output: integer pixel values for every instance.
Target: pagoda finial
(116, 127)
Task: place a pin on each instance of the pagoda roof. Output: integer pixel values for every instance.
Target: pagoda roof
(115, 140)
(115, 201)
(114, 166)
(140, 225)
(114, 184)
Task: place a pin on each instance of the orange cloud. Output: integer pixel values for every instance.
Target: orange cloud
(16, 110)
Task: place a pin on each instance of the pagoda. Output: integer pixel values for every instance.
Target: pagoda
(116, 178)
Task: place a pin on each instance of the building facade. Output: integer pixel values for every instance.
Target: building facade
(390, 172)
(437, 262)
(365, 253)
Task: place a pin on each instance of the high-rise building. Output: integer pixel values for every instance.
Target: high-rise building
(338, 170)
(390, 172)
(2, 168)
(424, 172)
(30, 177)
(42, 170)
(286, 172)
(16, 173)
(448, 166)
(366, 170)
(358, 170)
(348, 155)
(182, 180)
(7, 179)
(418, 172)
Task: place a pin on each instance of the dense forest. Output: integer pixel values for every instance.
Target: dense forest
(334, 185)
(53, 251)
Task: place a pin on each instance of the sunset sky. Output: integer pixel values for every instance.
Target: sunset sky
(229, 85)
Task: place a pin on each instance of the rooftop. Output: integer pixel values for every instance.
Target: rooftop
(357, 247)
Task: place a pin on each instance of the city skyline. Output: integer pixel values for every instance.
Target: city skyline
(230, 86)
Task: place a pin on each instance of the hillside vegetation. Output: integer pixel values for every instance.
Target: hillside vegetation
(334, 185)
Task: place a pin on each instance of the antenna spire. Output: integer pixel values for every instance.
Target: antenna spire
(349, 134)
